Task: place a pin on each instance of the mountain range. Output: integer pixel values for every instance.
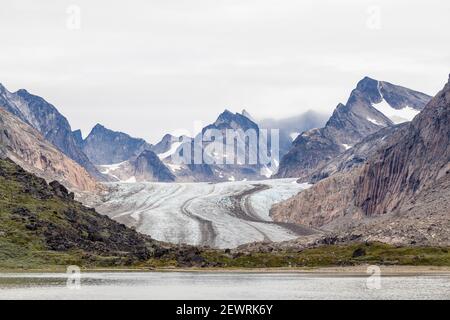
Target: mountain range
(398, 194)
(27, 147)
(372, 105)
(378, 169)
(109, 155)
(104, 146)
(45, 118)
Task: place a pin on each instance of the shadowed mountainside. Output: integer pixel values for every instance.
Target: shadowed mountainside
(372, 105)
(404, 183)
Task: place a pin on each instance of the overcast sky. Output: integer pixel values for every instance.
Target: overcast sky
(153, 66)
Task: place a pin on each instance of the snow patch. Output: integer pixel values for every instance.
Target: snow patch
(169, 152)
(374, 121)
(346, 146)
(173, 167)
(395, 115)
(107, 168)
(294, 135)
(130, 180)
(265, 171)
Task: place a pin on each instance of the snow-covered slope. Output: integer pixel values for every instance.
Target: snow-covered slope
(221, 215)
(397, 115)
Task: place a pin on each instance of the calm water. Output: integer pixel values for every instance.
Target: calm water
(168, 285)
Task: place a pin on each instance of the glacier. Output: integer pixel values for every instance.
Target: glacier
(219, 215)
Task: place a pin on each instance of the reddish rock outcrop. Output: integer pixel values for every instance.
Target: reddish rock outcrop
(405, 181)
(326, 201)
(412, 163)
(28, 148)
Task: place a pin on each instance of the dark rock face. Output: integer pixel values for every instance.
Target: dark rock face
(61, 191)
(165, 144)
(400, 194)
(64, 224)
(414, 160)
(148, 167)
(216, 164)
(229, 120)
(45, 118)
(78, 138)
(27, 147)
(400, 97)
(104, 146)
(357, 155)
(359, 252)
(239, 125)
(201, 171)
(348, 125)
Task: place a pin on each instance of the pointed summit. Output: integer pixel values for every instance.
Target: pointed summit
(45, 118)
(104, 146)
(98, 127)
(370, 88)
(23, 92)
(372, 105)
(366, 80)
(246, 114)
(229, 120)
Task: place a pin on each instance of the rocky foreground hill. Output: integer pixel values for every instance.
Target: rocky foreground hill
(400, 194)
(41, 225)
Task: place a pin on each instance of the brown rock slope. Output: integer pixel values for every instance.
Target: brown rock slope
(402, 191)
(412, 163)
(28, 148)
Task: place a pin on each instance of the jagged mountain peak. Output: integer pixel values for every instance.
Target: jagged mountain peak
(226, 114)
(369, 88)
(246, 114)
(371, 106)
(26, 146)
(168, 142)
(45, 118)
(366, 82)
(99, 127)
(23, 92)
(229, 120)
(403, 184)
(167, 136)
(104, 146)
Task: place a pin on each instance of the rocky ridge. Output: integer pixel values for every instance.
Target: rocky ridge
(396, 195)
(372, 105)
(27, 147)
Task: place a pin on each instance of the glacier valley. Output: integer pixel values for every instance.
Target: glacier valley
(219, 215)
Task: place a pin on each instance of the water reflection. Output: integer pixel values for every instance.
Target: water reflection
(185, 285)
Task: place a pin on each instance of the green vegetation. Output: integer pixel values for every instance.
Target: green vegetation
(41, 227)
(336, 255)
